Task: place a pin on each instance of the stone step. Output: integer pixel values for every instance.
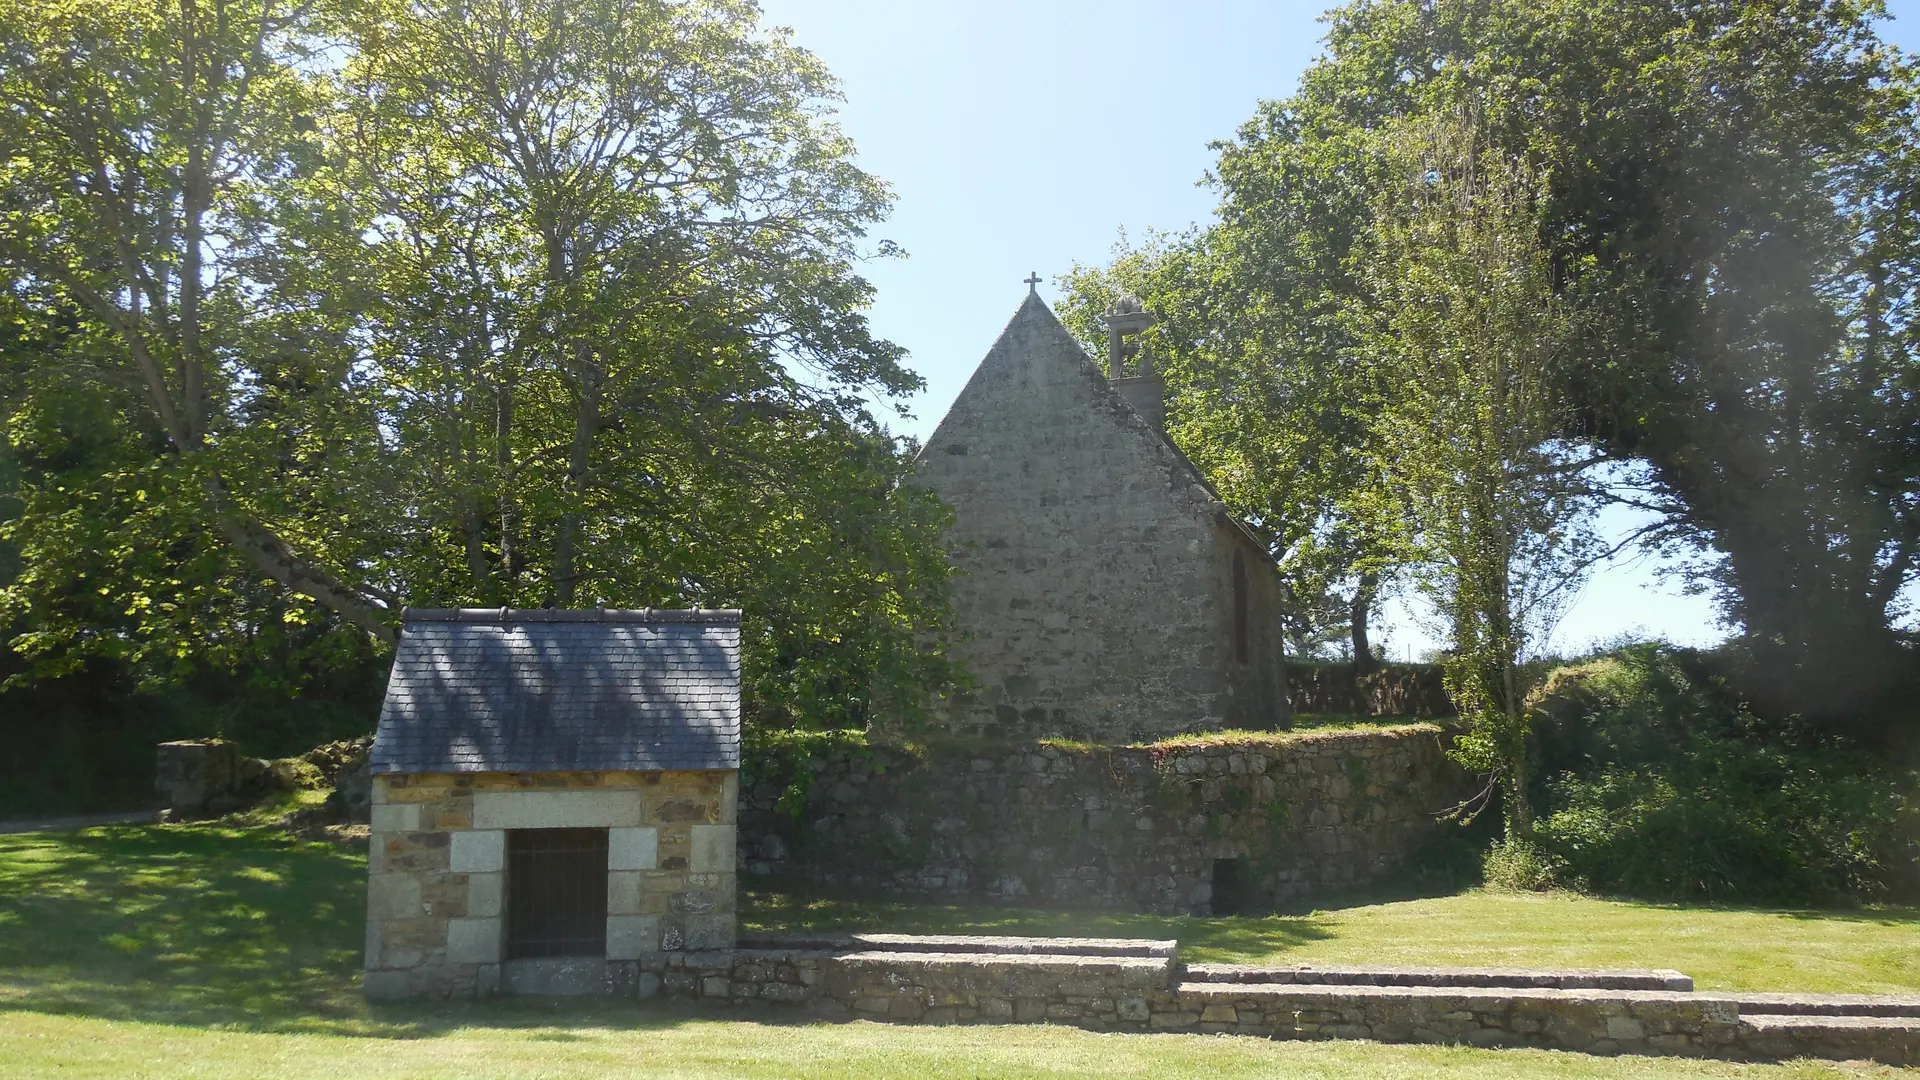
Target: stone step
(1890, 1040)
(1751, 1004)
(1600, 1021)
(1594, 1020)
(1014, 946)
(960, 943)
(1503, 978)
(1146, 971)
(795, 942)
(1469, 998)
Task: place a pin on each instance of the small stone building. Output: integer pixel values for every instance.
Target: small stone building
(1106, 592)
(553, 800)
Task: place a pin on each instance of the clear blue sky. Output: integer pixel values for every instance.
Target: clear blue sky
(1025, 136)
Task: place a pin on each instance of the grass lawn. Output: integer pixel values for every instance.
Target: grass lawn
(217, 951)
(1871, 951)
(665, 1042)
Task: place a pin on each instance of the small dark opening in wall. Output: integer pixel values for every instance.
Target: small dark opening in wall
(1230, 886)
(556, 892)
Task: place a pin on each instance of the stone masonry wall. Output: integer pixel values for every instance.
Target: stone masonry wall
(436, 883)
(1092, 594)
(1139, 993)
(1089, 827)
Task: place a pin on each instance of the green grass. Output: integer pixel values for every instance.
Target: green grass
(1302, 724)
(667, 1042)
(1871, 951)
(1305, 726)
(232, 950)
(193, 924)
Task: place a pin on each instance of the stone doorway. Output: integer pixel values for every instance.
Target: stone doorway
(556, 893)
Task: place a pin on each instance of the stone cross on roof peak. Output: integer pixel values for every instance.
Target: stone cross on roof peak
(1032, 281)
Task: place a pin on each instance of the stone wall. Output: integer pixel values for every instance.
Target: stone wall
(436, 883)
(1291, 817)
(1094, 597)
(1105, 985)
(1390, 690)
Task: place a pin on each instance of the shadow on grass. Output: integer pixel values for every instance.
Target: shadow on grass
(1892, 915)
(198, 924)
(217, 925)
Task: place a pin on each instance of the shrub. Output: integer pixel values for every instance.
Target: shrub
(1519, 865)
(1662, 784)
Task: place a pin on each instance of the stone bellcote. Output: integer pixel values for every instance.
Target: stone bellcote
(1144, 389)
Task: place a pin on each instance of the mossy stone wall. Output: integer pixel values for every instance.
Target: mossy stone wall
(1295, 816)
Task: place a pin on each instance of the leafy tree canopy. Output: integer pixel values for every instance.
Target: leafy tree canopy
(312, 310)
(1735, 184)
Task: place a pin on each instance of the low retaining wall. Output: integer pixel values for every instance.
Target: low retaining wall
(1217, 827)
(1591, 1011)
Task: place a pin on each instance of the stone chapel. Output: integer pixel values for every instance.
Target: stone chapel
(1105, 591)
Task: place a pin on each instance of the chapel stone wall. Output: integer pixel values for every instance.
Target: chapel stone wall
(437, 885)
(1090, 596)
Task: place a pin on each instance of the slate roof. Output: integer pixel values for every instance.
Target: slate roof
(539, 690)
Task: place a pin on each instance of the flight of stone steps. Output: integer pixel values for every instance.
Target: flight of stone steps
(1141, 985)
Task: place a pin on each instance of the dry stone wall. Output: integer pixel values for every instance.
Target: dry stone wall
(1061, 981)
(1230, 825)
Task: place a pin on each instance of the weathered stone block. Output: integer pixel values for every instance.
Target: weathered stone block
(396, 818)
(474, 941)
(393, 896)
(630, 937)
(193, 773)
(556, 809)
(486, 895)
(711, 848)
(708, 931)
(634, 848)
(560, 976)
(385, 985)
(624, 890)
(480, 851)
(1625, 1029)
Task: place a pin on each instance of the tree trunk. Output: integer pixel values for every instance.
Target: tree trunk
(566, 548)
(1358, 615)
(503, 479)
(272, 556)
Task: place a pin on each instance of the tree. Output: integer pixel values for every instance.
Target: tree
(618, 241)
(519, 302)
(149, 206)
(1264, 412)
(1736, 181)
(1467, 334)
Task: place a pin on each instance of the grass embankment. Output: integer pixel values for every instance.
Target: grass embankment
(1872, 951)
(219, 951)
